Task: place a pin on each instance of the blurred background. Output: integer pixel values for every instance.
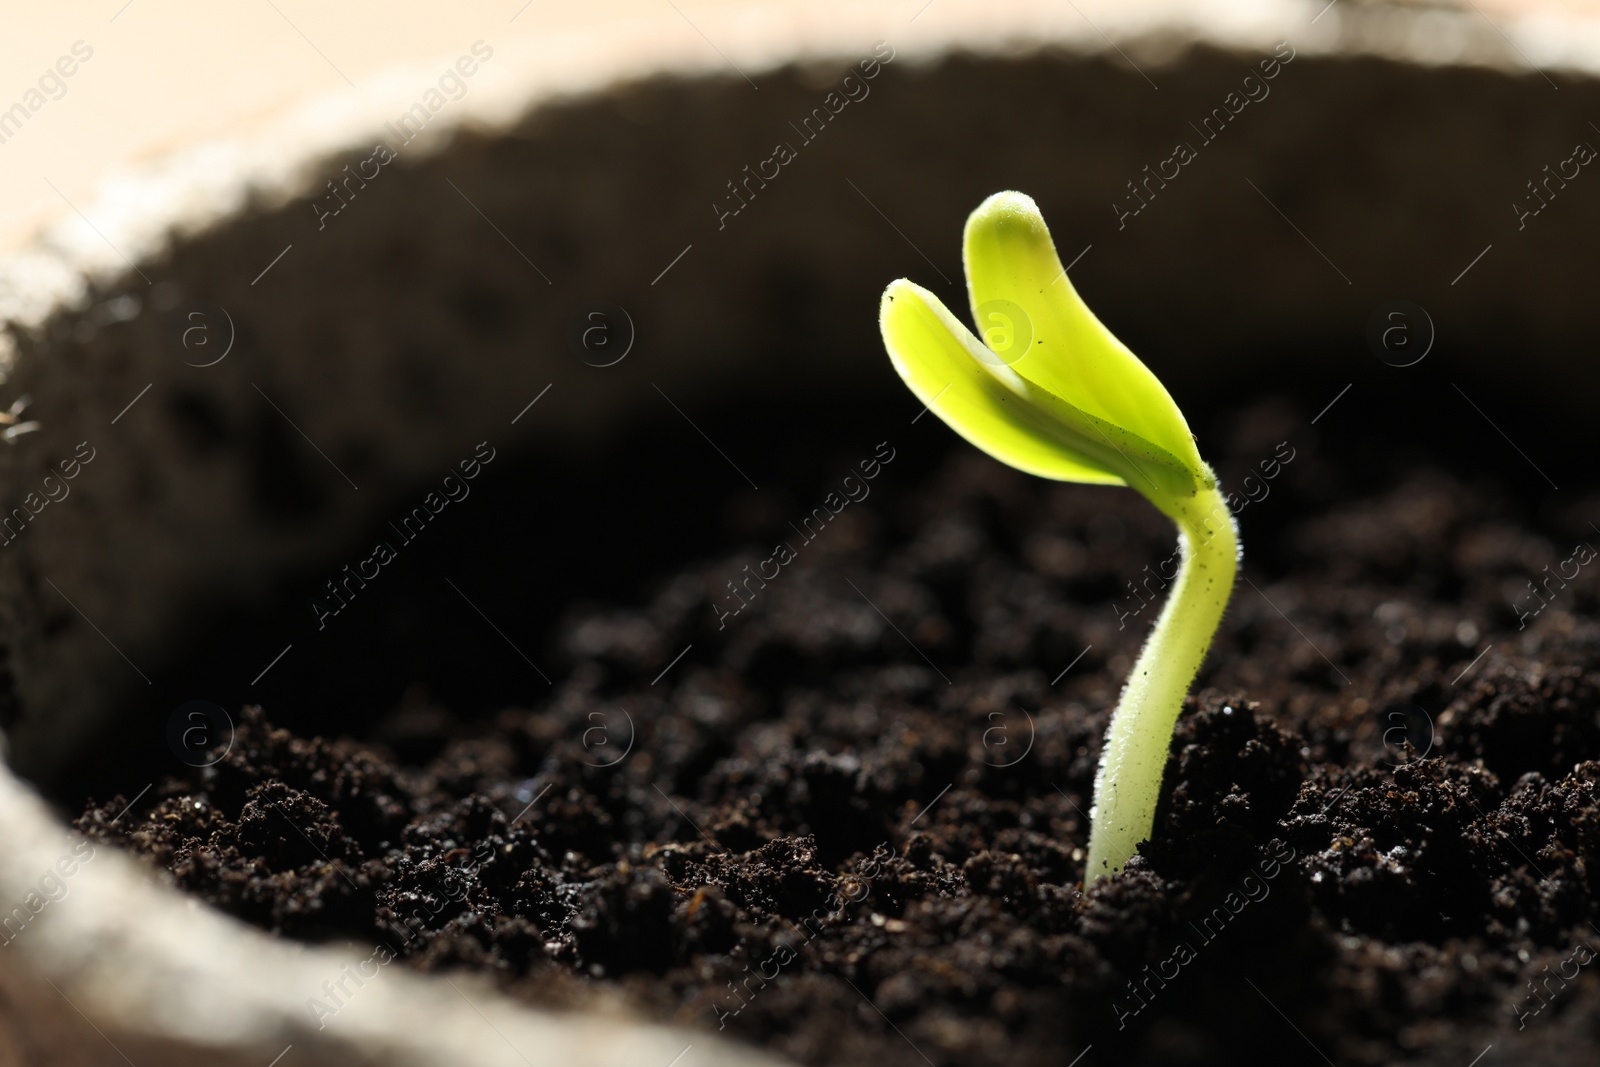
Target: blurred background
(169, 75)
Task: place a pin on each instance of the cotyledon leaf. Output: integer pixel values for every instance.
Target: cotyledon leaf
(1014, 420)
(1010, 257)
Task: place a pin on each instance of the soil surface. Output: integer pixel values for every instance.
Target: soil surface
(848, 825)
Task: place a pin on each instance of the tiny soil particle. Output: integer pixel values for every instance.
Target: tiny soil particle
(849, 826)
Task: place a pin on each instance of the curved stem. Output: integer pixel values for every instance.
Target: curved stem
(1135, 755)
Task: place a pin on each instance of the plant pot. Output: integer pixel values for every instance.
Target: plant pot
(352, 347)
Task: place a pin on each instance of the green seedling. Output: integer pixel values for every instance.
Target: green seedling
(1053, 393)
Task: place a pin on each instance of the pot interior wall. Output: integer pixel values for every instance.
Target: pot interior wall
(374, 349)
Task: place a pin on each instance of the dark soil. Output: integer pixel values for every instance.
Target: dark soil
(850, 826)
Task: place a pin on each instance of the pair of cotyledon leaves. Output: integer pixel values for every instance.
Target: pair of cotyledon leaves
(1076, 405)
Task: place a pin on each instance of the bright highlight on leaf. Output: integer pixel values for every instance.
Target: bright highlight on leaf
(1049, 390)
